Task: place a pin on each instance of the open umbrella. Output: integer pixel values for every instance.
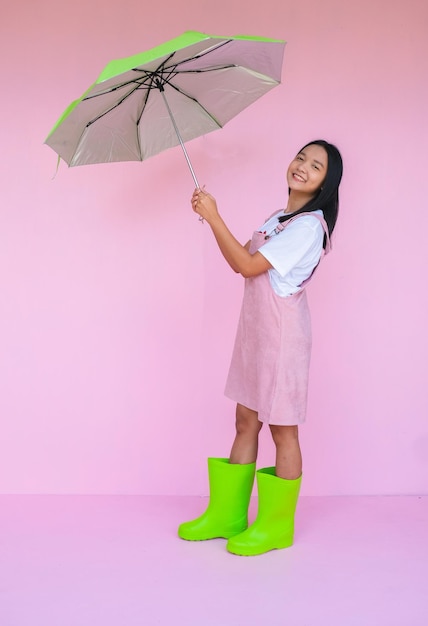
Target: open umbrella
(149, 102)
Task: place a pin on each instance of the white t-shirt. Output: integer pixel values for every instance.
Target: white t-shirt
(293, 252)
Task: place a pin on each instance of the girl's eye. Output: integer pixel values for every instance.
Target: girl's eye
(315, 167)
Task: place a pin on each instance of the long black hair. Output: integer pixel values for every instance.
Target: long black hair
(327, 198)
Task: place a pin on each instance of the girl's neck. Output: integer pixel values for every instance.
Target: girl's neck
(296, 202)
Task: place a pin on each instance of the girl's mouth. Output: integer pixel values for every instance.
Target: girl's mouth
(299, 178)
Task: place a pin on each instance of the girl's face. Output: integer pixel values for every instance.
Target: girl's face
(307, 171)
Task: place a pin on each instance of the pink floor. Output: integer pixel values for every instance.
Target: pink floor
(116, 561)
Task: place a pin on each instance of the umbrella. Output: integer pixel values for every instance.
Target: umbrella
(184, 88)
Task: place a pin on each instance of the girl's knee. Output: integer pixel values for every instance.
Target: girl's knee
(284, 434)
(247, 420)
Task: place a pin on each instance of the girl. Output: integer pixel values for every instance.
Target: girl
(268, 376)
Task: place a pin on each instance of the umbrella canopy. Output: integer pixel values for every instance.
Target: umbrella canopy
(184, 88)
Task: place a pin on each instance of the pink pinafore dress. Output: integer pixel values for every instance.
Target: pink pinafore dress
(269, 370)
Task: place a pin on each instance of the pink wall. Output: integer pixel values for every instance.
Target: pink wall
(117, 311)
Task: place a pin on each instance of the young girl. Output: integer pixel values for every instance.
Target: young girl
(268, 376)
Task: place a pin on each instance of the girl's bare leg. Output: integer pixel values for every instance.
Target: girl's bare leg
(288, 454)
(245, 446)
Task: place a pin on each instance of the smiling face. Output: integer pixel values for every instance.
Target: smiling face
(307, 171)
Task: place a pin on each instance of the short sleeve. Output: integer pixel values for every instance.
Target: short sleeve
(299, 244)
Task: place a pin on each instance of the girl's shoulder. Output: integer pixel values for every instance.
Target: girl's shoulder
(305, 220)
(313, 217)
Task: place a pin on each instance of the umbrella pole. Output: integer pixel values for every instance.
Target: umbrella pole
(180, 139)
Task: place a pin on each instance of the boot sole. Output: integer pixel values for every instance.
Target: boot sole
(225, 535)
(257, 552)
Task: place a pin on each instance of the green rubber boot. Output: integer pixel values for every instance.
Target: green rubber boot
(274, 525)
(227, 513)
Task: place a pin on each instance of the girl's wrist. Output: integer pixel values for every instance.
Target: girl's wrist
(215, 221)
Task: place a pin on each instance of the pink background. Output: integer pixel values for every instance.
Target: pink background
(118, 313)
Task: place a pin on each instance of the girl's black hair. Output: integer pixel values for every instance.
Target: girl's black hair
(327, 198)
